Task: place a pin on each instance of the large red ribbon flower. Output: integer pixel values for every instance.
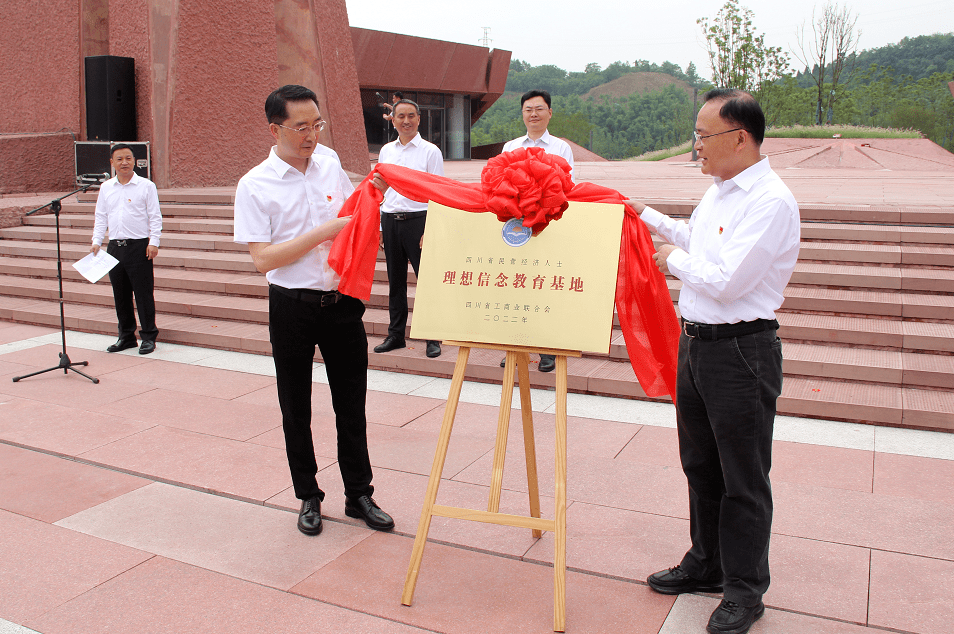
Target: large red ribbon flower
(527, 184)
(536, 187)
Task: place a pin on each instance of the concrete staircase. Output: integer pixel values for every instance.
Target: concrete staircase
(868, 323)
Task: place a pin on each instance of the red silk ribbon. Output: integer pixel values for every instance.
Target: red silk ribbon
(534, 186)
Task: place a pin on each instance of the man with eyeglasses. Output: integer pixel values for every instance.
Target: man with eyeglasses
(286, 211)
(734, 258)
(536, 109)
(403, 219)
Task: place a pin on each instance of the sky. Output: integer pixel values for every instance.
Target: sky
(572, 34)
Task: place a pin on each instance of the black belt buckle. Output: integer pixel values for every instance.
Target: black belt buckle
(685, 328)
(329, 298)
(688, 328)
(407, 215)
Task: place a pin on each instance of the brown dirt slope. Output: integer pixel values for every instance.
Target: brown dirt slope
(636, 83)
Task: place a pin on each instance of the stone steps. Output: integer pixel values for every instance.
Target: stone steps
(867, 321)
(802, 358)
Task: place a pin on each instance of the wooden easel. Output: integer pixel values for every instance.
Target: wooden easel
(518, 358)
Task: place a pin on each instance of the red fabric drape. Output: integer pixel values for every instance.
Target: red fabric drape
(646, 315)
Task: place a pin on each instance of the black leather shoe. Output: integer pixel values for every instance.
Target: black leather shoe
(433, 349)
(503, 362)
(309, 517)
(365, 508)
(391, 342)
(147, 347)
(732, 618)
(122, 344)
(676, 581)
(547, 363)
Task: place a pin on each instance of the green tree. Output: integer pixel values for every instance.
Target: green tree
(738, 55)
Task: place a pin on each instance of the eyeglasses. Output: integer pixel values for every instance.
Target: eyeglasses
(318, 127)
(537, 110)
(696, 137)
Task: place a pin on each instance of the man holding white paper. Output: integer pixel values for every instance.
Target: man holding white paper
(128, 206)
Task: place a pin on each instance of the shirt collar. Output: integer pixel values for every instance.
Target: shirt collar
(745, 179)
(545, 138)
(281, 167)
(134, 179)
(416, 141)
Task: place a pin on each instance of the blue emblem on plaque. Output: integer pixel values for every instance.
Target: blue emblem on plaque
(515, 234)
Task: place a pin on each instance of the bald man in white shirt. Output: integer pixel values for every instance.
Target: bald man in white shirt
(735, 258)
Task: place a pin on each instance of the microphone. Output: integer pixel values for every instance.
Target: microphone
(95, 179)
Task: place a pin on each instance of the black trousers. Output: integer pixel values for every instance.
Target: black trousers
(402, 240)
(295, 327)
(133, 276)
(726, 392)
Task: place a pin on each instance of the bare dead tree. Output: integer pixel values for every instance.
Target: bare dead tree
(829, 52)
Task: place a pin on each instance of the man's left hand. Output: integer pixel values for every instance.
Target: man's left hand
(152, 252)
(659, 257)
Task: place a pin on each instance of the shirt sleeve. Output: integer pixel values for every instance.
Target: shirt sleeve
(675, 232)
(153, 214)
(435, 162)
(347, 187)
(101, 217)
(756, 242)
(567, 153)
(252, 224)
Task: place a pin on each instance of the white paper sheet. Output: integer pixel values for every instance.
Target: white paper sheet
(94, 267)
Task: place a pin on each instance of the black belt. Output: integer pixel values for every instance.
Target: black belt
(309, 295)
(407, 215)
(712, 332)
(126, 242)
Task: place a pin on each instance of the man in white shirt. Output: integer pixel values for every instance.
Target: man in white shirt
(403, 219)
(535, 106)
(734, 258)
(286, 210)
(128, 206)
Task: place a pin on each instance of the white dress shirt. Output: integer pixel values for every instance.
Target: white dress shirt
(276, 203)
(739, 249)
(550, 143)
(419, 155)
(129, 211)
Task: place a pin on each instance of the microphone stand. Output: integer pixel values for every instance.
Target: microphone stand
(65, 363)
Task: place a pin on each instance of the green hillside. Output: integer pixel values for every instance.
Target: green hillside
(623, 111)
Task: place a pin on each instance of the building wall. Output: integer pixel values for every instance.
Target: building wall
(39, 78)
(203, 71)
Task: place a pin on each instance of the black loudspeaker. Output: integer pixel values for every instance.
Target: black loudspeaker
(110, 98)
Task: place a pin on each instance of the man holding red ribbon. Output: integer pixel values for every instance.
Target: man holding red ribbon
(735, 258)
(286, 211)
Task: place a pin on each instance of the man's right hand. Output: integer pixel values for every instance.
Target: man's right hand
(94, 249)
(336, 225)
(635, 205)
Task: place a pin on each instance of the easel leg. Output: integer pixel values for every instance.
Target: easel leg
(529, 445)
(433, 483)
(559, 549)
(503, 430)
